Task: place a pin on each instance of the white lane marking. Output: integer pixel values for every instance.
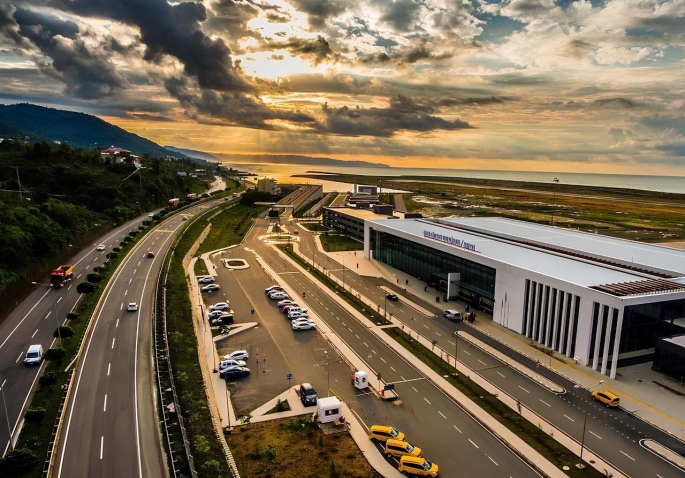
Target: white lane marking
(79, 276)
(455, 427)
(466, 352)
(501, 375)
(34, 334)
(545, 402)
(383, 360)
(493, 461)
(24, 318)
(411, 387)
(391, 367)
(130, 280)
(451, 342)
(58, 300)
(523, 389)
(569, 418)
(473, 443)
(438, 334)
(356, 336)
(48, 314)
(443, 416)
(113, 339)
(365, 344)
(627, 455)
(122, 306)
(18, 358)
(104, 409)
(374, 351)
(134, 271)
(117, 324)
(87, 267)
(482, 362)
(109, 365)
(69, 286)
(102, 445)
(429, 403)
(595, 434)
(139, 262)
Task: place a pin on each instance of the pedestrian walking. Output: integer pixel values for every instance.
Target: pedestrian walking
(406, 282)
(425, 289)
(357, 265)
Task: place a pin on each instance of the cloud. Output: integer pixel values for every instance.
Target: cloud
(317, 50)
(402, 15)
(419, 50)
(230, 18)
(320, 11)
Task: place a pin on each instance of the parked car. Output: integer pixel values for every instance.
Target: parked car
(296, 308)
(453, 315)
(237, 355)
(272, 288)
(307, 395)
(401, 448)
(278, 295)
(391, 296)
(285, 302)
(303, 324)
(210, 288)
(297, 315)
(231, 363)
(101, 247)
(222, 319)
(218, 313)
(132, 307)
(417, 466)
(219, 306)
(234, 372)
(150, 255)
(384, 432)
(206, 279)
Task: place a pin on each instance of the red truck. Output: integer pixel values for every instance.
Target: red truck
(61, 275)
(174, 202)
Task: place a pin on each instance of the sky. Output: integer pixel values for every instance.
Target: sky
(545, 85)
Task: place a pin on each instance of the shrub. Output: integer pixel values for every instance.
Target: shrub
(128, 239)
(99, 269)
(72, 316)
(64, 332)
(85, 287)
(141, 228)
(94, 277)
(122, 244)
(117, 249)
(18, 462)
(34, 415)
(112, 255)
(133, 233)
(55, 353)
(47, 379)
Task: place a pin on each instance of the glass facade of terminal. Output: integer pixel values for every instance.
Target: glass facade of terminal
(644, 323)
(424, 262)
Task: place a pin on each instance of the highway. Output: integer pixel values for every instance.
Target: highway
(612, 434)
(111, 424)
(434, 422)
(33, 321)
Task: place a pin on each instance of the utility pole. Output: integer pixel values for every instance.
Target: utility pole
(21, 194)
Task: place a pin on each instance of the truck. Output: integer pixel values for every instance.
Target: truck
(174, 202)
(191, 196)
(61, 275)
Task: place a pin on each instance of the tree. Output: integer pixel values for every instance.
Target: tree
(47, 379)
(85, 288)
(18, 462)
(64, 332)
(94, 277)
(55, 354)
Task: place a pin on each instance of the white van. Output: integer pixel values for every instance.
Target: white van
(34, 356)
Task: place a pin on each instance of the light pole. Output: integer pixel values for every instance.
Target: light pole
(228, 406)
(456, 348)
(343, 272)
(328, 363)
(582, 442)
(385, 306)
(54, 301)
(554, 200)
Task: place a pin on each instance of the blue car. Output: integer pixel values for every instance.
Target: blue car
(234, 372)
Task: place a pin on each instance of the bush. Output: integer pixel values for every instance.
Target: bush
(112, 255)
(94, 277)
(85, 288)
(117, 249)
(99, 269)
(47, 379)
(64, 331)
(72, 316)
(55, 353)
(128, 239)
(141, 228)
(133, 233)
(18, 462)
(34, 415)
(122, 244)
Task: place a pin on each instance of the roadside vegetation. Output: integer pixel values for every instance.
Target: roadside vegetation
(339, 242)
(547, 446)
(296, 448)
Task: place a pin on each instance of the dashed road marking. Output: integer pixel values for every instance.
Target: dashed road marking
(545, 402)
(473, 443)
(34, 334)
(628, 455)
(456, 428)
(493, 461)
(595, 434)
(569, 418)
(113, 339)
(523, 389)
(109, 366)
(429, 403)
(102, 445)
(501, 375)
(443, 416)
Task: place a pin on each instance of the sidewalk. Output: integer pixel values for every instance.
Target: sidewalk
(635, 384)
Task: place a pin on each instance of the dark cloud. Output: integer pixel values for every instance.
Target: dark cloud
(403, 114)
(174, 30)
(276, 18)
(316, 50)
(319, 11)
(471, 101)
(8, 27)
(616, 102)
(231, 17)
(577, 49)
(402, 15)
(86, 73)
(420, 50)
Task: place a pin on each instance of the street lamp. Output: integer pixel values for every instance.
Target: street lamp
(54, 301)
(456, 348)
(343, 272)
(582, 442)
(328, 362)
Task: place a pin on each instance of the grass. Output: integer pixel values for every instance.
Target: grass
(375, 317)
(281, 406)
(335, 243)
(229, 226)
(296, 448)
(315, 226)
(201, 269)
(557, 454)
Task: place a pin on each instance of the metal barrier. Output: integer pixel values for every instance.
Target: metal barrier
(53, 436)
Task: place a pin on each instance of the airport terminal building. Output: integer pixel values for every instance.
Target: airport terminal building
(594, 298)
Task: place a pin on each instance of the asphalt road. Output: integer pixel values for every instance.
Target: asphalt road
(428, 417)
(111, 426)
(612, 434)
(33, 321)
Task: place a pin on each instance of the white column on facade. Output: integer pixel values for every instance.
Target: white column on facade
(607, 340)
(550, 316)
(557, 319)
(598, 334)
(563, 343)
(617, 340)
(536, 316)
(529, 312)
(569, 337)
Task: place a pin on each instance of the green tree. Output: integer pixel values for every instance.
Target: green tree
(85, 288)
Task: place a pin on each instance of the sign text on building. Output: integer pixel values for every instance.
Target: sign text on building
(449, 240)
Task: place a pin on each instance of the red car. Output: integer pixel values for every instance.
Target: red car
(151, 254)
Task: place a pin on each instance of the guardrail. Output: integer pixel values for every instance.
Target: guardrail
(180, 456)
(55, 428)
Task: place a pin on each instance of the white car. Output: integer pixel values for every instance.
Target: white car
(273, 288)
(219, 306)
(453, 314)
(303, 324)
(297, 314)
(132, 307)
(283, 303)
(152, 214)
(101, 247)
(206, 279)
(231, 363)
(210, 288)
(278, 296)
(237, 355)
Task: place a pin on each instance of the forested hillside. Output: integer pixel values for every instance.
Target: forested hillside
(68, 193)
(78, 129)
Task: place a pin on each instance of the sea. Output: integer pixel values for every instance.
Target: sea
(284, 174)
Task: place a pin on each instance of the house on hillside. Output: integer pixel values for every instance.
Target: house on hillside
(116, 155)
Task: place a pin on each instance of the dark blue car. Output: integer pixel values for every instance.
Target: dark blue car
(234, 372)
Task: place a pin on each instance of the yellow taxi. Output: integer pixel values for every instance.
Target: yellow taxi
(417, 466)
(384, 433)
(606, 397)
(401, 448)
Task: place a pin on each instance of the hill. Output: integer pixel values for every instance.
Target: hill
(191, 153)
(78, 129)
